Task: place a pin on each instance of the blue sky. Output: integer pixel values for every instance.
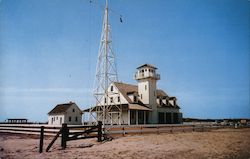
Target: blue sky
(48, 53)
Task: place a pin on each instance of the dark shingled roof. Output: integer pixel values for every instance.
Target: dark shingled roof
(147, 65)
(61, 108)
(161, 93)
(126, 89)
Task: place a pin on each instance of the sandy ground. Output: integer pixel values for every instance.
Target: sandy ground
(224, 143)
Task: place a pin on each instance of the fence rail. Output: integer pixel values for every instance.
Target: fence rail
(164, 128)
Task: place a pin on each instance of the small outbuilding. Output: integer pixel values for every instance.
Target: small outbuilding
(68, 113)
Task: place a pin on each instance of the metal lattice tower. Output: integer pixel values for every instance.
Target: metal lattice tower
(106, 73)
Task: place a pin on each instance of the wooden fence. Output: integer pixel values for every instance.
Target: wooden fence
(69, 133)
(159, 128)
(66, 132)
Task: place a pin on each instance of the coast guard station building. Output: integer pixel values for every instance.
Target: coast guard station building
(143, 103)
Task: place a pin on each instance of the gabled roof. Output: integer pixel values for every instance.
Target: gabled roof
(126, 89)
(161, 93)
(61, 108)
(147, 65)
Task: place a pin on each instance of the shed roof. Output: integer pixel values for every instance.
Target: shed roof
(138, 107)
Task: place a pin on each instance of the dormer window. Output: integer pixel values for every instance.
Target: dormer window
(73, 110)
(105, 100)
(111, 89)
(135, 100)
(167, 103)
(118, 99)
(160, 101)
(111, 99)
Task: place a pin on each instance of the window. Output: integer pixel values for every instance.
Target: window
(141, 96)
(69, 118)
(140, 117)
(111, 89)
(135, 99)
(145, 87)
(118, 99)
(105, 100)
(76, 118)
(57, 118)
(160, 101)
(111, 99)
(73, 110)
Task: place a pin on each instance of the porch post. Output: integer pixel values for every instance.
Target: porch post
(136, 117)
(128, 116)
(144, 113)
(172, 118)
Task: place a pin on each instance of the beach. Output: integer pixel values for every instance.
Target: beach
(222, 143)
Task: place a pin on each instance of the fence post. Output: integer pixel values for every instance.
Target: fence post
(123, 131)
(41, 139)
(65, 132)
(99, 131)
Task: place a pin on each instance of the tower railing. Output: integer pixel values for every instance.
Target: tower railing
(140, 75)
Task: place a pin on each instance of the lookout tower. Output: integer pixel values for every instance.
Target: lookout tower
(147, 77)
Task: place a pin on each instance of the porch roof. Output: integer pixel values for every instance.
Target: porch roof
(138, 107)
(129, 106)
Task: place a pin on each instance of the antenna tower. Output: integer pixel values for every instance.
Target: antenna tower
(106, 74)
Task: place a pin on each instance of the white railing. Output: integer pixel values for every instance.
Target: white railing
(145, 75)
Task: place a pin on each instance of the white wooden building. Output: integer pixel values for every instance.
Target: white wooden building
(142, 103)
(68, 113)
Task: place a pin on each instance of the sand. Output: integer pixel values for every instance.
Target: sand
(224, 143)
